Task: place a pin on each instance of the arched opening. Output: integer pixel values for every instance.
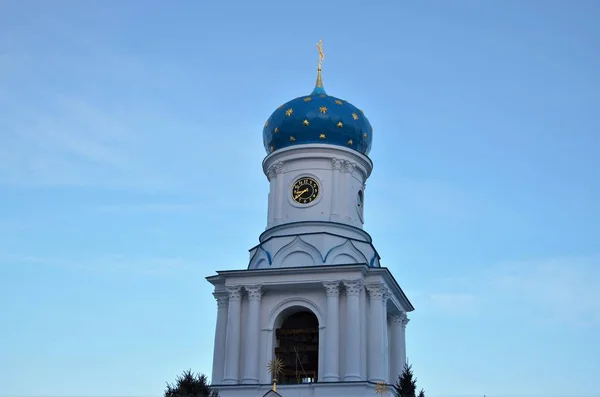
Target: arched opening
(297, 345)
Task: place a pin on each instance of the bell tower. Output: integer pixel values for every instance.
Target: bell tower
(314, 296)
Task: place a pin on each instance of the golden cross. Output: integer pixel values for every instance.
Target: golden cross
(321, 55)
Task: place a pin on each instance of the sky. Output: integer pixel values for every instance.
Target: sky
(130, 169)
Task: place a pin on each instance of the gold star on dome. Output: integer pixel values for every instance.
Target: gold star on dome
(350, 142)
(289, 112)
(365, 135)
(305, 122)
(307, 99)
(355, 116)
(322, 136)
(340, 125)
(272, 148)
(276, 130)
(323, 109)
(267, 124)
(338, 101)
(292, 139)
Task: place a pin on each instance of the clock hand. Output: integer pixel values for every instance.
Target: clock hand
(298, 194)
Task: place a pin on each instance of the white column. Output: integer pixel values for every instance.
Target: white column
(251, 347)
(352, 364)
(398, 348)
(332, 332)
(375, 355)
(219, 352)
(405, 321)
(232, 344)
(386, 354)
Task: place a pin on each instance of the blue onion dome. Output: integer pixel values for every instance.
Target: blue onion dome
(318, 118)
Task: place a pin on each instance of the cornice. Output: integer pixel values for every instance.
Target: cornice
(219, 280)
(318, 151)
(343, 226)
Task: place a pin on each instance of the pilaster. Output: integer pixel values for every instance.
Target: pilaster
(232, 344)
(251, 347)
(275, 173)
(352, 364)
(336, 188)
(376, 322)
(332, 332)
(347, 168)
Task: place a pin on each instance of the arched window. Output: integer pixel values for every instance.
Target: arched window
(298, 347)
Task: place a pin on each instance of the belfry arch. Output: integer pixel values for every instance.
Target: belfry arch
(296, 343)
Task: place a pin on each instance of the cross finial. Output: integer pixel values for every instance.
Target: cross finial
(319, 85)
(321, 55)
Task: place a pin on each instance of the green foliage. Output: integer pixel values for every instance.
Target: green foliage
(406, 385)
(190, 384)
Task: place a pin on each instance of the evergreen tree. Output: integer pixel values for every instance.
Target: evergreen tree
(190, 384)
(421, 393)
(406, 386)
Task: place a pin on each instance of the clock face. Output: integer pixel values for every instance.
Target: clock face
(305, 190)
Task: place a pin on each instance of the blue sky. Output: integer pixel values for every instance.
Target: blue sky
(130, 169)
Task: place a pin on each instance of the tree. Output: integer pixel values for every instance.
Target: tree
(190, 384)
(406, 385)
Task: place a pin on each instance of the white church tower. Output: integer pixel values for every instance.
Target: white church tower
(314, 294)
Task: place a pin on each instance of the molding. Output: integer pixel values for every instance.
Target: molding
(275, 169)
(346, 248)
(259, 255)
(297, 245)
(234, 292)
(332, 288)
(348, 166)
(376, 291)
(318, 151)
(222, 299)
(274, 229)
(343, 165)
(404, 319)
(386, 295)
(396, 320)
(400, 302)
(254, 292)
(353, 287)
(336, 163)
(291, 302)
